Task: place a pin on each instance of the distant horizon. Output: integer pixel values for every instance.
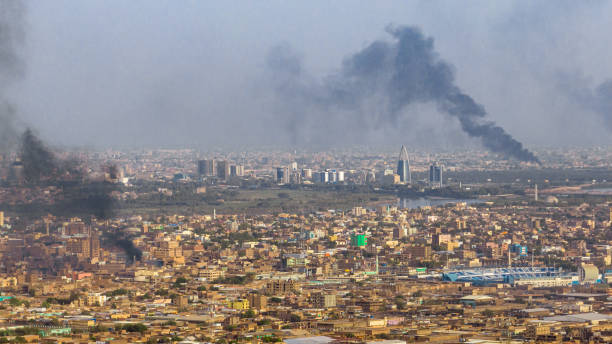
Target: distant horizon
(144, 74)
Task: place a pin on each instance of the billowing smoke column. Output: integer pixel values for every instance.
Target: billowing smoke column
(11, 66)
(596, 99)
(124, 242)
(39, 163)
(80, 194)
(600, 100)
(132, 252)
(89, 198)
(392, 76)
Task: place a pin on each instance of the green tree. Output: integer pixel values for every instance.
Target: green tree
(248, 314)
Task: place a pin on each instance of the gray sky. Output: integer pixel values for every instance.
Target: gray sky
(175, 73)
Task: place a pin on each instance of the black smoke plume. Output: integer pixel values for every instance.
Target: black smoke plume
(39, 163)
(132, 252)
(377, 84)
(94, 198)
(40, 166)
(11, 67)
(81, 194)
(123, 241)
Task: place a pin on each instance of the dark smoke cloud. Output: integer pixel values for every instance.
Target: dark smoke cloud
(39, 163)
(378, 84)
(600, 101)
(90, 198)
(124, 242)
(8, 129)
(11, 67)
(81, 194)
(603, 101)
(596, 99)
(12, 36)
(132, 252)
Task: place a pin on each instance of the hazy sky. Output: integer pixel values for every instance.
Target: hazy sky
(174, 73)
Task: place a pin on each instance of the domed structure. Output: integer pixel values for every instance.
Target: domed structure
(552, 200)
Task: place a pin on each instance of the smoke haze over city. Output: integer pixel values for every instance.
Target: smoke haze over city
(208, 74)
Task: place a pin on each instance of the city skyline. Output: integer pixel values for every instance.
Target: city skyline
(227, 172)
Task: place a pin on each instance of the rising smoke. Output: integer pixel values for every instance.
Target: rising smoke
(603, 101)
(132, 252)
(378, 83)
(599, 100)
(39, 163)
(579, 89)
(80, 194)
(11, 67)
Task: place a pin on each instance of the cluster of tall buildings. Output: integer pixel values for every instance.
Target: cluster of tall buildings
(403, 170)
(291, 175)
(221, 169)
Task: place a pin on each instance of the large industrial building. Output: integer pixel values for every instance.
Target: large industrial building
(536, 276)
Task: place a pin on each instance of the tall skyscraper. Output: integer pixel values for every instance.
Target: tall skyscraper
(223, 169)
(207, 168)
(282, 175)
(202, 167)
(403, 166)
(435, 174)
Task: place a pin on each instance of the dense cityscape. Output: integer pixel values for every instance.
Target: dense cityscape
(305, 172)
(532, 265)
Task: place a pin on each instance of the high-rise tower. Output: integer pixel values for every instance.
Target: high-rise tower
(403, 166)
(207, 168)
(435, 175)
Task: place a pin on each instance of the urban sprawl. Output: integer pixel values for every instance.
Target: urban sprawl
(308, 247)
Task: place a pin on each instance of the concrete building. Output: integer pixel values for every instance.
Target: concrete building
(323, 300)
(282, 175)
(207, 168)
(435, 175)
(223, 170)
(280, 287)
